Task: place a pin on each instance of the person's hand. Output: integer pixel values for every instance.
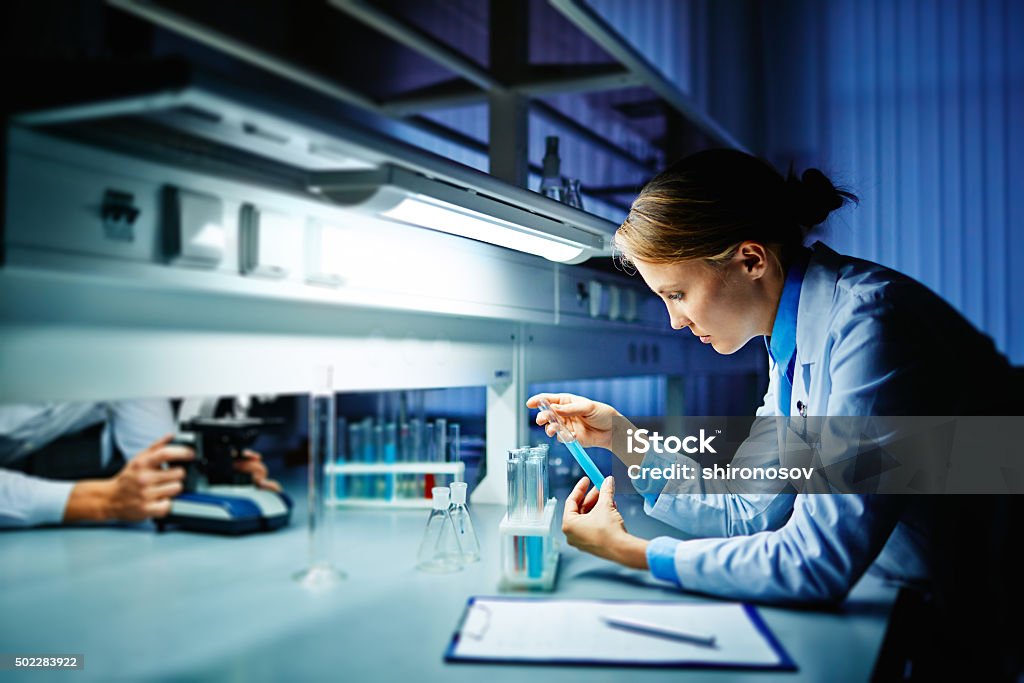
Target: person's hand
(589, 421)
(142, 489)
(592, 523)
(252, 463)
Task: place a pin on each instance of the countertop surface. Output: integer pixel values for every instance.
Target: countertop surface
(141, 605)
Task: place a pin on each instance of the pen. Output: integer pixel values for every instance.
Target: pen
(659, 631)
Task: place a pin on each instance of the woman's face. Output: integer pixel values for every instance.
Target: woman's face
(725, 306)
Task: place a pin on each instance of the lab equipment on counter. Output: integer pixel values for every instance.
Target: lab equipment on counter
(321, 571)
(567, 438)
(440, 551)
(464, 523)
(529, 550)
(397, 463)
(215, 497)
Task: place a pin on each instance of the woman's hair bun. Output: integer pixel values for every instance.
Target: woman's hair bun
(812, 197)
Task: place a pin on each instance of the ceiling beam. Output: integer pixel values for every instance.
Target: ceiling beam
(611, 41)
(419, 40)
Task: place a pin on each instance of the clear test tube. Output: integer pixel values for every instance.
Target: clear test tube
(541, 451)
(429, 455)
(454, 443)
(355, 449)
(378, 488)
(322, 444)
(390, 457)
(338, 484)
(414, 487)
(441, 434)
(533, 484)
(404, 455)
(514, 479)
(441, 430)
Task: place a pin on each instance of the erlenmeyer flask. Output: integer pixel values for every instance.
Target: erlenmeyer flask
(464, 523)
(440, 551)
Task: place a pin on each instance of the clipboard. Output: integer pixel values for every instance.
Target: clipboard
(531, 631)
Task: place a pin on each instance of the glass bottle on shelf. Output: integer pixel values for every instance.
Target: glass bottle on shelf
(551, 178)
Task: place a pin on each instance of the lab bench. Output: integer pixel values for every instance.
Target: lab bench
(141, 605)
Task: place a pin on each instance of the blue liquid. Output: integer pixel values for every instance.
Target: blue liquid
(589, 468)
(534, 557)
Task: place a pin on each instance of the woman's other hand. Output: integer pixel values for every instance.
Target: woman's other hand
(592, 523)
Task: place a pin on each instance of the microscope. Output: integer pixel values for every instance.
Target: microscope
(216, 498)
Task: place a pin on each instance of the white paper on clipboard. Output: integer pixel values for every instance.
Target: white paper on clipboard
(573, 632)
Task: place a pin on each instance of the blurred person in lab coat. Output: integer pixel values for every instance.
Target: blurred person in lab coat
(719, 237)
(65, 462)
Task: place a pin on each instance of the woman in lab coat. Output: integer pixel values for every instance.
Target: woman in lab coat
(719, 237)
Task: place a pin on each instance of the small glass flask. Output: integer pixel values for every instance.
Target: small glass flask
(464, 523)
(440, 551)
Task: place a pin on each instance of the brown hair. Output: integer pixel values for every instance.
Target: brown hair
(705, 205)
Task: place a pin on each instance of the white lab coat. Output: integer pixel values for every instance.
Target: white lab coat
(870, 342)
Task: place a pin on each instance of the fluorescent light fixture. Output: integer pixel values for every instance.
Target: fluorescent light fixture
(423, 211)
(407, 197)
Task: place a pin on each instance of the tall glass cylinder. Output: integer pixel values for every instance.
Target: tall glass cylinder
(321, 571)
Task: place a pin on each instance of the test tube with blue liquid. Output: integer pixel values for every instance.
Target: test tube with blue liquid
(533, 489)
(567, 438)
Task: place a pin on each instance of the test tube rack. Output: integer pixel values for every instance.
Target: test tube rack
(529, 551)
(340, 470)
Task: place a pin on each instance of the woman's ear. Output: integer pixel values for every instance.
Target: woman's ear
(754, 258)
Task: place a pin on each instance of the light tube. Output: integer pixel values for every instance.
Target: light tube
(429, 213)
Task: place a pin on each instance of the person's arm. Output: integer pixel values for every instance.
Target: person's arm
(89, 501)
(31, 501)
(831, 539)
(731, 508)
(824, 548)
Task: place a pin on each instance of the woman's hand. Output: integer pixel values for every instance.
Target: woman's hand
(592, 523)
(589, 421)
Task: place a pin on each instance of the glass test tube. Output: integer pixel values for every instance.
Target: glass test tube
(368, 456)
(377, 480)
(321, 571)
(533, 486)
(429, 454)
(514, 478)
(415, 485)
(536, 475)
(404, 455)
(390, 457)
(514, 475)
(338, 484)
(355, 450)
(541, 451)
(441, 433)
(454, 444)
